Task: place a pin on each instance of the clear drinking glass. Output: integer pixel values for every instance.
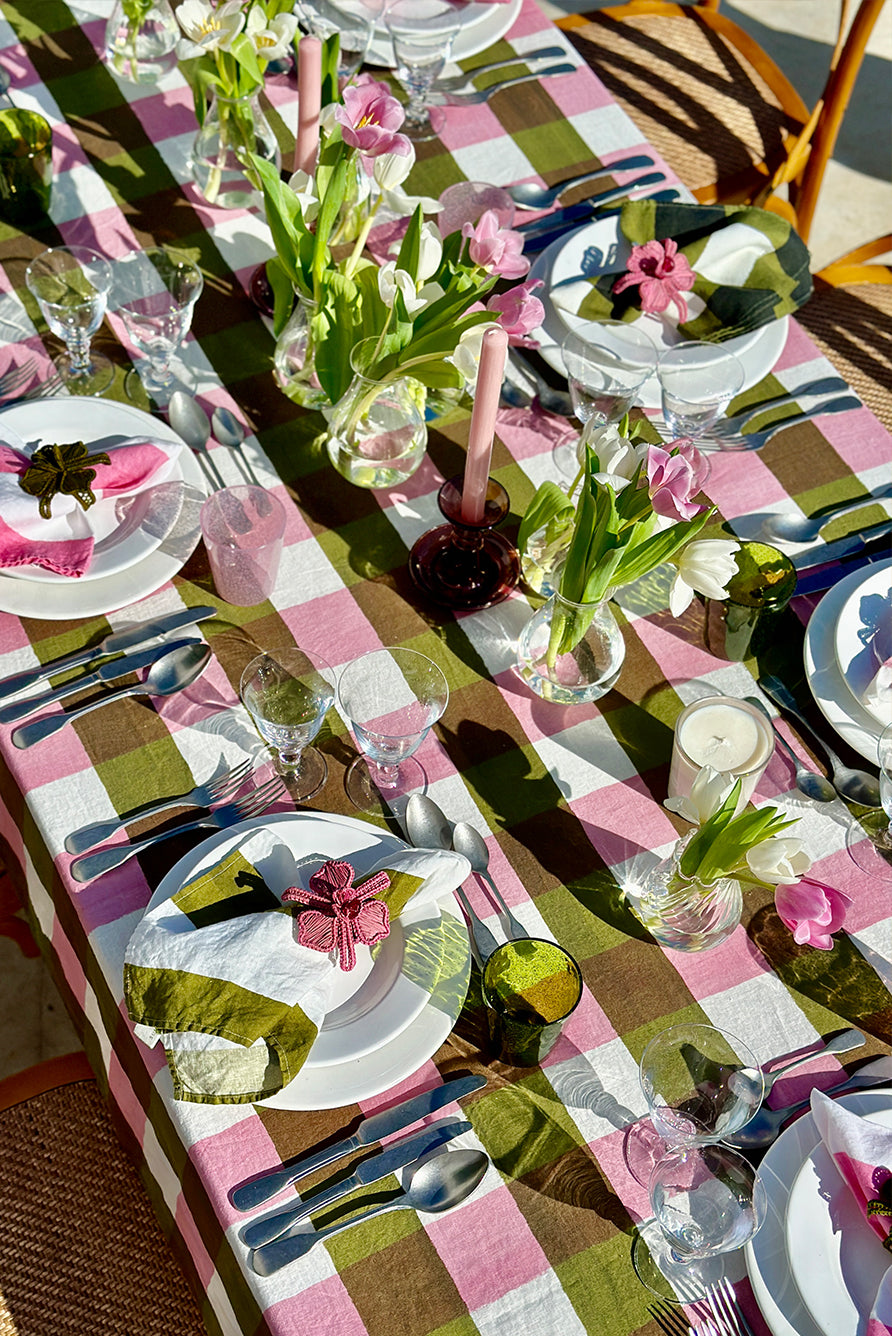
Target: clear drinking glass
(422, 32)
(707, 1201)
(71, 286)
(391, 698)
(350, 19)
(869, 839)
(606, 362)
(697, 383)
(701, 1084)
(287, 693)
(155, 291)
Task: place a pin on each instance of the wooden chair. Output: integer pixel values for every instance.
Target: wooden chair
(716, 107)
(80, 1247)
(850, 319)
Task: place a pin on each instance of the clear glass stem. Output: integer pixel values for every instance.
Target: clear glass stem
(385, 776)
(78, 346)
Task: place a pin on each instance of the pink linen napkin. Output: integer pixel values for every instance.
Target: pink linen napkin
(64, 543)
(862, 1152)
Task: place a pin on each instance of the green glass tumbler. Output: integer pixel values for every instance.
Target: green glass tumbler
(743, 623)
(530, 987)
(26, 166)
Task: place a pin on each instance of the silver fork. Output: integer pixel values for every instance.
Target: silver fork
(252, 804)
(754, 440)
(674, 1324)
(17, 376)
(478, 95)
(455, 83)
(203, 795)
(725, 1309)
(829, 385)
(45, 388)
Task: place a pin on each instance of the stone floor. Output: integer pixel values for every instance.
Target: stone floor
(855, 206)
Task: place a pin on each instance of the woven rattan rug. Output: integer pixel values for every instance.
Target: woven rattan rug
(81, 1252)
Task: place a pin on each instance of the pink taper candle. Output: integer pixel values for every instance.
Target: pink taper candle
(309, 103)
(490, 374)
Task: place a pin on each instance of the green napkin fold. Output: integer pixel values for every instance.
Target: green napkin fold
(750, 267)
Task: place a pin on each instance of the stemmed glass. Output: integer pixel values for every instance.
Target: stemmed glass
(701, 1084)
(350, 19)
(422, 32)
(287, 693)
(391, 698)
(697, 383)
(869, 839)
(707, 1201)
(156, 291)
(71, 285)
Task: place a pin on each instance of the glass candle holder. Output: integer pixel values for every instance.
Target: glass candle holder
(725, 733)
(741, 624)
(466, 565)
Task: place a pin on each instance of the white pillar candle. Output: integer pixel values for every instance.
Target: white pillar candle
(725, 733)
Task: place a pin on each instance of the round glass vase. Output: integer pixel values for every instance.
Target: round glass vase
(685, 913)
(233, 128)
(571, 653)
(294, 362)
(142, 49)
(377, 434)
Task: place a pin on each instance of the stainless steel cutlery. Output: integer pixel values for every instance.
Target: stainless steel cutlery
(857, 786)
(15, 377)
(755, 440)
(582, 212)
(474, 96)
(819, 554)
(801, 529)
(827, 386)
(530, 196)
(456, 83)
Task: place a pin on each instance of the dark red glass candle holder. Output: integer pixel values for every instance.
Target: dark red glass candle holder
(466, 566)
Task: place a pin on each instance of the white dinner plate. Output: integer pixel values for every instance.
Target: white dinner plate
(599, 245)
(863, 640)
(766, 1255)
(121, 538)
(75, 598)
(389, 986)
(482, 25)
(851, 720)
(835, 1258)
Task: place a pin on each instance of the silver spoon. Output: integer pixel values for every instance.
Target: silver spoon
(230, 432)
(190, 421)
(844, 1042)
(530, 196)
(814, 786)
(428, 827)
(552, 400)
(855, 785)
(801, 529)
(765, 1125)
(437, 1184)
(468, 841)
(173, 672)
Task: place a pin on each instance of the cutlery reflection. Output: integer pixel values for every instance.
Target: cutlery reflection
(765, 1125)
(251, 805)
(857, 786)
(528, 195)
(479, 95)
(828, 385)
(203, 795)
(438, 1184)
(454, 83)
(801, 529)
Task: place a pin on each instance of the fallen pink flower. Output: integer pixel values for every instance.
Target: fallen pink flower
(673, 479)
(660, 274)
(339, 914)
(812, 911)
(371, 117)
(519, 312)
(496, 249)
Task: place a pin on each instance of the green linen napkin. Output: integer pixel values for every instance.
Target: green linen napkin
(750, 268)
(215, 973)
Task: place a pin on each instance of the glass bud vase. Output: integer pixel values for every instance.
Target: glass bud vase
(569, 652)
(682, 912)
(377, 433)
(233, 127)
(141, 46)
(293, 359)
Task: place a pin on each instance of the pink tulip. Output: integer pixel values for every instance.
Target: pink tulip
(496, 249)
(812, 911)
(519, 312)
(661, 275)
(674, 478)
(371, 117)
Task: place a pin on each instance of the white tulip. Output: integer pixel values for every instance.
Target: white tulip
(704, 567)
(430, 252)
(780, 861)
(391, 169)
(708, 791)
(207, 29)
(272, 40)
(391, 281)
(467, 354)
(304, 187)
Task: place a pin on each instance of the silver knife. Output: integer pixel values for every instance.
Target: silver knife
(481, 95)
(107, 672)
(825, 577)
(371, 1130)
(819, 554)
(372, 1170)
(110, 644)
(579, 213)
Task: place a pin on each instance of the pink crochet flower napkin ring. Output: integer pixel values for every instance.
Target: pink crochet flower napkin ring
(339, 914)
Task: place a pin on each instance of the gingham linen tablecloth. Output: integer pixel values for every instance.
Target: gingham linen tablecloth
(567, 794)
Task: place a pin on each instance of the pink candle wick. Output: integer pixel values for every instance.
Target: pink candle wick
(490, 374)
(309, 103)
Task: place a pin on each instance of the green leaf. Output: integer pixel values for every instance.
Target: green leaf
(283, 293)
(331, 50)
(245, 55)
(548, 502)
(284, 218)
(410, 249)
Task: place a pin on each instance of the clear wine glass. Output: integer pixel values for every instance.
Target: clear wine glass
(869, 839)
(707, 1201)
(422, 32)
(71, 286)
(155, 291)
(697, 383)
(287, 693)
(701, 1084)
(352, 20)
(391, 698)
